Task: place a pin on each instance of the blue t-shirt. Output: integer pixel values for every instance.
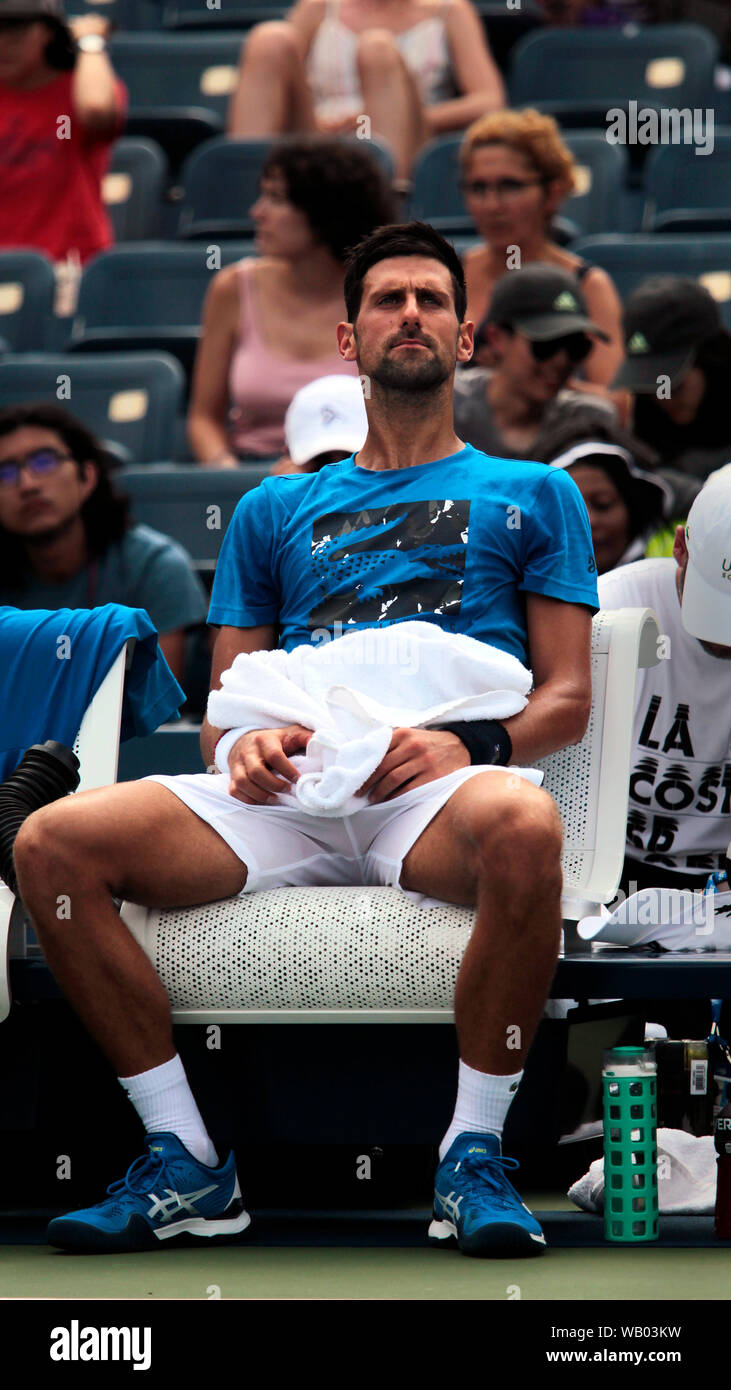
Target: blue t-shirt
(456, 542)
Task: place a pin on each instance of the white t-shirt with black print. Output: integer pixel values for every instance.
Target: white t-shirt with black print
(680, 785)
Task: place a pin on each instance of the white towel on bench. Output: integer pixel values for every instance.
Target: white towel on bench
(353, 691)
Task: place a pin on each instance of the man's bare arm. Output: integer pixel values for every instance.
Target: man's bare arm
(557, 713)
(229, 643)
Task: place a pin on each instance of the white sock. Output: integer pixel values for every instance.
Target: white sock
(483, 1102)
(165, 1104)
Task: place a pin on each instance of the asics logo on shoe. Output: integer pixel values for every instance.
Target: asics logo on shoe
(450, 1204)
(167, 1207)
(476, 1149)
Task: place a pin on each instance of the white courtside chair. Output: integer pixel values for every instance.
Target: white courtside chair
(97, 748)
(370, 955)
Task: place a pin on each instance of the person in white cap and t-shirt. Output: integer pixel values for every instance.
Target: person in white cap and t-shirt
(326, 421)
(679, 822)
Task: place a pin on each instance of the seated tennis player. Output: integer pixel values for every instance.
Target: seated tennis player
(416, 526)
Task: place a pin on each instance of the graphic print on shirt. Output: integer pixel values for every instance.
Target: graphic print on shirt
(669, 786)
(421, 546)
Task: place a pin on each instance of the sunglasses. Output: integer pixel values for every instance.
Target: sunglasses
(576, 345)
(39, 462)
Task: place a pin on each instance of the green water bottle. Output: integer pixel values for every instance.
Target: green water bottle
(629, 1082)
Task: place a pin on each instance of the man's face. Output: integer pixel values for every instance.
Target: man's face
(533, 380)
(22, 50)
(41, 503)
(406, 337)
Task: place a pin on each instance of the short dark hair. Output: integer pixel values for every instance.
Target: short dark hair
(403, 239)
(105, 513)
(337, 184)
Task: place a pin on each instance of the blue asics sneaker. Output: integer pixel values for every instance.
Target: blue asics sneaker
(476, 1205)
(166, 1193)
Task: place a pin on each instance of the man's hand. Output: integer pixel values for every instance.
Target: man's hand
(415, 756)
(259, 763)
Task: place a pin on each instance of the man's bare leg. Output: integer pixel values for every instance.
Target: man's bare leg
(497, 844)
(136, 841)
(140, 842)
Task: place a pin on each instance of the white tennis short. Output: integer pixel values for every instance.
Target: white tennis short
(283, 846)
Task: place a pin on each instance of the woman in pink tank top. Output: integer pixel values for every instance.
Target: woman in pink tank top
(269, 322)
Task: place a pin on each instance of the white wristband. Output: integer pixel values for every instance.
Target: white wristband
(224, 746)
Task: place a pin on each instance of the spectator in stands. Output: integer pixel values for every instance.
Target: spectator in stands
(66, 540)
(404, 71)
(326, 422)
(626, 505)
(539, 331)
(677, 367)
(417, 528)
(680, 788)
(269, 323)
(516, 172)
(61, 108)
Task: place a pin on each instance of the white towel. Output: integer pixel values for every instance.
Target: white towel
(686, 1176)
(354, 690)
(680, 919)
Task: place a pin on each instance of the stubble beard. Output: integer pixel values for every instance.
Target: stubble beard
(410, 378)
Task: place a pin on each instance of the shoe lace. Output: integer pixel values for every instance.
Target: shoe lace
(140, 1176)
(476, 1174)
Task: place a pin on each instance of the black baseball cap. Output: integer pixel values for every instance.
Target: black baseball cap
(542, 302)
(52, 12)
(666, 320)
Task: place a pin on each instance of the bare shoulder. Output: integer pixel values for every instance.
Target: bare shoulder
(224, 288)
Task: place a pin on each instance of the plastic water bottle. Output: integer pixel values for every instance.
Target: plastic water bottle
(629, 1083)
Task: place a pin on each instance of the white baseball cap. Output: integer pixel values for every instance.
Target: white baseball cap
(706, 607)
(325, 415)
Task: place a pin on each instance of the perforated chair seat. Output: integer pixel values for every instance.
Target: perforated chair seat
(319, 948)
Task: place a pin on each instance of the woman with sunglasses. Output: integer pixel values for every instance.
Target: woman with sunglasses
(539, 332)
(516, 172)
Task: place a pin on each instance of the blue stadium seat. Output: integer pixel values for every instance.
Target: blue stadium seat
(130, 401)
(27, 291)
(631, 259)
(686, 190)
(602, 171)
(220, 180)
(134, 189)
(179, 86)
(579, 74)
(123, 14)
(193, 505)
(232, 14)
(148, 295)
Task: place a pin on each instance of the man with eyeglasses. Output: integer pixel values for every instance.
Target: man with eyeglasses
(65, 537)
(538, 328)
